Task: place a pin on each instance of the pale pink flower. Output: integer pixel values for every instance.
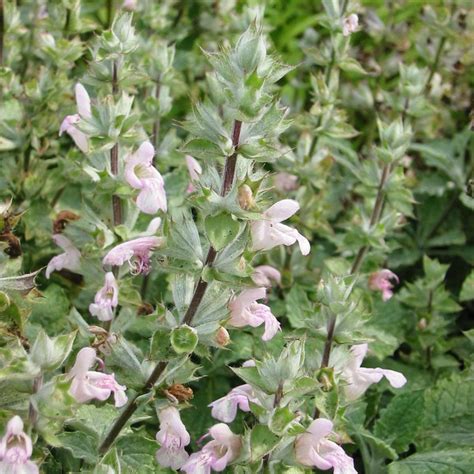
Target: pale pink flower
(350, 24)
(286, 182)
(249, 363)
(70, 259)
(136, 252)
(173, 437)
(195, 171)
(217, 454)
(84, 111)
(265, 275)
(314, 449)
(16, 449)
(42, 12)
(106, 299)
(141, 174)
(269, 232)
(88, 384)
(244, 310)
(359, 378)
(130, 5)
(225, 408)
(380, 281)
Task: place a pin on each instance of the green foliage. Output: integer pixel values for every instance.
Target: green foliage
(367, 130)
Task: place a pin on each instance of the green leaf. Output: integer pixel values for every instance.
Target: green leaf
(298, 307)
(251, 376)
(50, 353)
(445, 404)
(434, 271)
(281, 420)
(378, 445)
(137, 454)
(221, 230)
(81, 445)
(50, 312)
(467, 290)
(399, 422)
(204, 149)
(352, 65)
(160, 345)
(459, 461)
(124, 362)
(93, 420)
(262, 441)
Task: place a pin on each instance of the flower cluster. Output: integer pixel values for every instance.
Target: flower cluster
(16, 449)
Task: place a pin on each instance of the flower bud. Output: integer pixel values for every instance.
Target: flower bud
(222, 337)
(245, 197)
(422, 324)
(184, 339)
(326, 379)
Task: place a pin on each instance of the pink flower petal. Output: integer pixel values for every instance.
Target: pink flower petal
(282, 210)
(83, 101)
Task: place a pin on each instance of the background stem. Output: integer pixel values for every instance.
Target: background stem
(374, 218)
(2, 31)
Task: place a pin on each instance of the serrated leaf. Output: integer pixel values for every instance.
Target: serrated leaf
(399, 422)
(281, 420)
(221, 230)
(125, 364)
(451, 399)
(81, 445)
(459, 461)
(467, 290)
(203, 149)
(262, 441)
(137, 454)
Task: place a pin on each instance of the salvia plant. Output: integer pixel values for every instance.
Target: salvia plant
(236, 237)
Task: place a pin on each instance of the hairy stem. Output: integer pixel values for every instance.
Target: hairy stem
(374, 218)
(114, 154)
(199, 292)
(32, 413)
(434, 66)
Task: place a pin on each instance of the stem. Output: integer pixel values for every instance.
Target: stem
(374, 218)
(110, 12)
(114, 152)
(200, 290)
(157, 123)
(434, 66)
(32, 413)
(278, 395)
(2, 31)
(327, 76)
(68, 20)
